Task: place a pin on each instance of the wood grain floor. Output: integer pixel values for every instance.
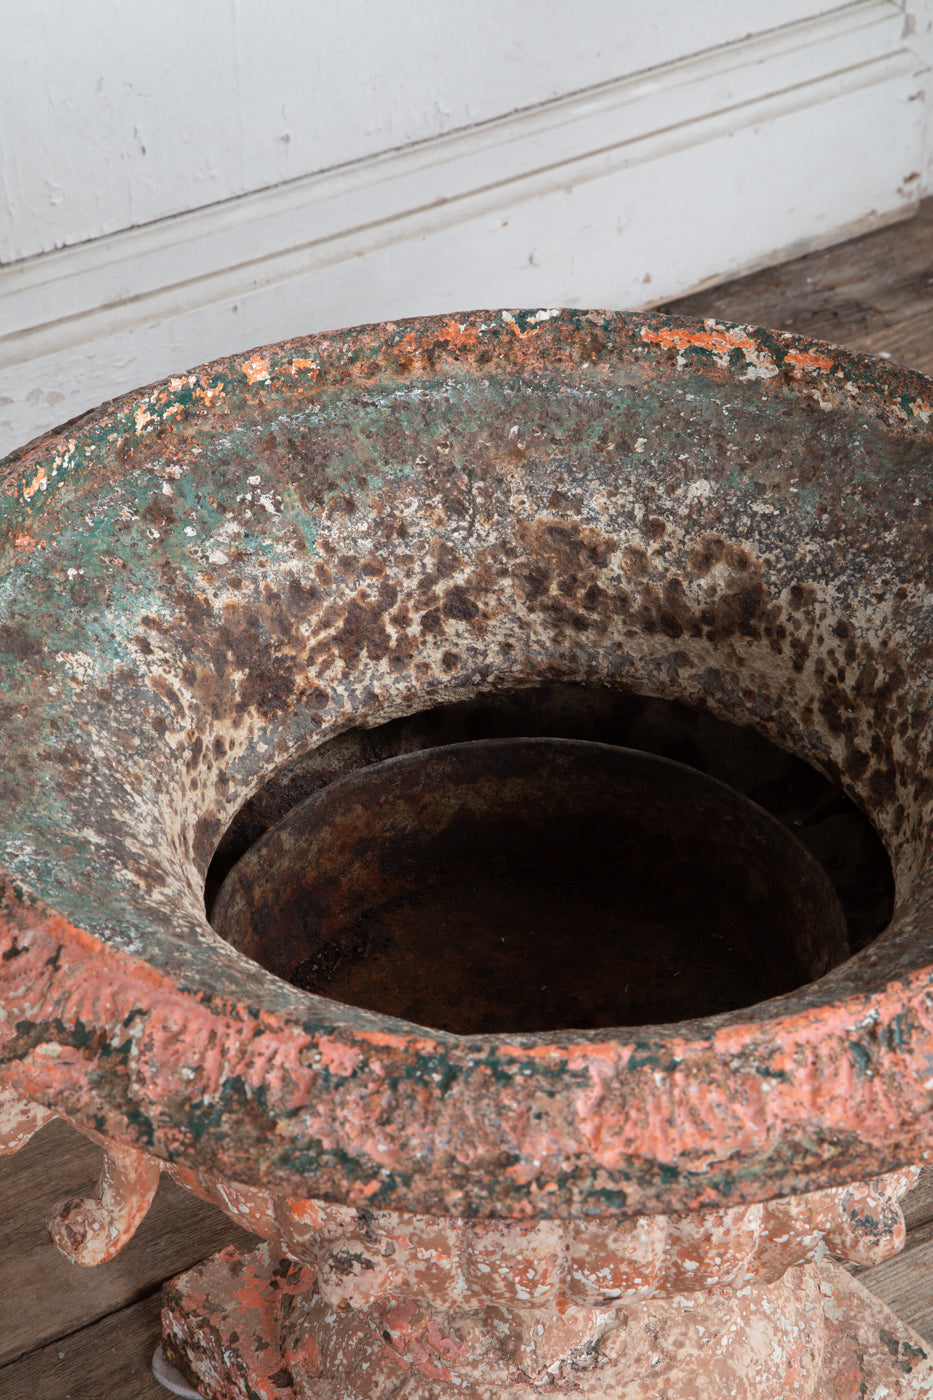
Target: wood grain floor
(68, 1333)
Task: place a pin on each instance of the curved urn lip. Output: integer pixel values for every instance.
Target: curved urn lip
(154, 638)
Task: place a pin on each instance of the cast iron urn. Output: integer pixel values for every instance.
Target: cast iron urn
(468, 813)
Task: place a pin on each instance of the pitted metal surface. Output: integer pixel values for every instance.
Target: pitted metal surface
(202, 581)
(532, 884)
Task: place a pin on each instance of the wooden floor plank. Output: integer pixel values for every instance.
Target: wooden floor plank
(917, 1205)
(905, 1283)
(874, 293)
(110, 1360)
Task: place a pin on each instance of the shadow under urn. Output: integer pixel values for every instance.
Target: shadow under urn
(536, 1062)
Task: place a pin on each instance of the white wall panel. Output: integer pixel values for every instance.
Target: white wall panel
(622, 193)
(918, 36)
(114, 113)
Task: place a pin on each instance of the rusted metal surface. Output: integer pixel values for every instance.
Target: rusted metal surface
(533, 885)
(703, 1306)
(204, 580)
(833, 830)
(360, 1255)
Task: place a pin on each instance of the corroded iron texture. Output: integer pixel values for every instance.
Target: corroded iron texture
(206, 578)
(359, 1256)
(530, 884)
(428, 1308)
(203, 582)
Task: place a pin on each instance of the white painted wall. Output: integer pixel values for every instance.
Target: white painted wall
(918, 37)
(115, 113)
(186, 180)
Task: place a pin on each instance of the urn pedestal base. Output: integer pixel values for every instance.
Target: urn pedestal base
(246, 1325)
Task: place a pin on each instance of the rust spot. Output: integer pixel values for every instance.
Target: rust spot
(635, 562)
(15, 641)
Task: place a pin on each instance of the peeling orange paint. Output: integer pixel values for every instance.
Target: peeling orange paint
(338, 1057)
(207, 396)
(809, 359)
(462, 335)
(39, 483)
(256, 370)
(364, 1193)
(406, 346)
(306, 1211)
(721, 341)
(400, 1042)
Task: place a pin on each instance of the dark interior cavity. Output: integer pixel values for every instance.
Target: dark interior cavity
(541, 920)
(828, 824)
(524, 885)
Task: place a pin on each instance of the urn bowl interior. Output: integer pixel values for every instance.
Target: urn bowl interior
(534, 884)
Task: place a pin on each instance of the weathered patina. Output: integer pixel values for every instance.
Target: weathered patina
(209, 578)
(742, 1303)
(206, 577)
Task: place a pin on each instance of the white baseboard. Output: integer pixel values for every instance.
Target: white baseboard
(621, 195)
